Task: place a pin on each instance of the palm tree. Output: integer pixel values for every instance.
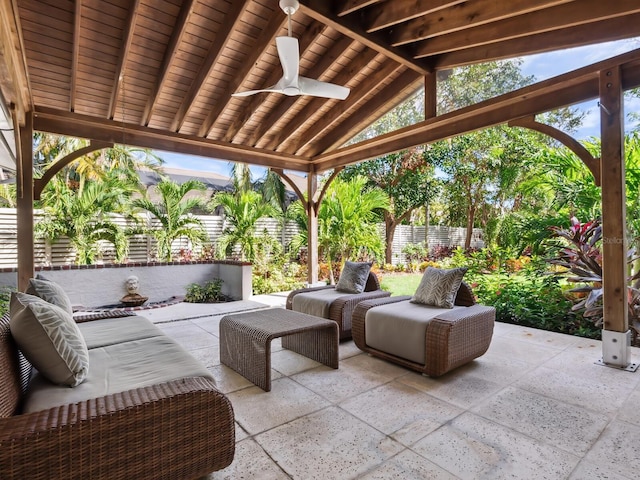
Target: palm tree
(83, 215)
(173, 214)
(347, 221)
(242, 210)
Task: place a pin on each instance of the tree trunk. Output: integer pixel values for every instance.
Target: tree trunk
(470, 221)
(389, 233)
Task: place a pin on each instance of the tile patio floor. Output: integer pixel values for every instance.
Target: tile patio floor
(534, 407)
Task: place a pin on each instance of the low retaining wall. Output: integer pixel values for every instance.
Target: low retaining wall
(96, 285)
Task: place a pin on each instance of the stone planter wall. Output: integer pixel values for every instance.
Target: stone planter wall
(97, 285)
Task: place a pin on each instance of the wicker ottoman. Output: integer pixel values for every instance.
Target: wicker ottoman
(245, 341)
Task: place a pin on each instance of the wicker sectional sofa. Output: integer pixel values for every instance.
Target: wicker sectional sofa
(147, 410)
(426, 339)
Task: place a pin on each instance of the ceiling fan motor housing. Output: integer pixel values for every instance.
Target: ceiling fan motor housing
(289, 6)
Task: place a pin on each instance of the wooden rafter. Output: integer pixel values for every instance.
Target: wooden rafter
(472, 13)
(320, 11)
(355, 97)
(77, 19)
(169, 57)
(304, 42)
(127, 39)
(340, 132)
(541, 21)
(351, 6)
(222, 37)
(316, 71)
(263, 42)
(389, 14)
(606, 30)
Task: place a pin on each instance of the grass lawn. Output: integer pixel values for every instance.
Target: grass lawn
(401, 283)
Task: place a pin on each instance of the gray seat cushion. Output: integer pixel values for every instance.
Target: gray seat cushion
(118, 368)
(109, 331)
(316, 303)
(400, 328)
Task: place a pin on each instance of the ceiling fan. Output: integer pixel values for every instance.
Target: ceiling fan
(291, 82)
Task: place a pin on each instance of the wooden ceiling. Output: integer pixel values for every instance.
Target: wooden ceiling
(160, 73)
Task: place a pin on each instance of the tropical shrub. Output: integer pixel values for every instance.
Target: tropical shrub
(210, 292)
(5, 297)
(581, 263)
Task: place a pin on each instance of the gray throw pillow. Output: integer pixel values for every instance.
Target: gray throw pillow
(353, 277)
(49, 338)
(439, 287)
(50, 292)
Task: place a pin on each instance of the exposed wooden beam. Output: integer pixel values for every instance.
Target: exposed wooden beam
(469, 14)
(612, 29)
(84, 126)
(127, 39)
(320, 11)
(313, 104)
(355, 97)
(563, 90)
(340, 132)
(222, 37)
(75, 54)
(316, 71)
(263, 42)
(430, 95)
(177, 35)
(351, 6)
(551, 19)
(304, 42)
(388, 14)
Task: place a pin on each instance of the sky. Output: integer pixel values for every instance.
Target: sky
(542, 66)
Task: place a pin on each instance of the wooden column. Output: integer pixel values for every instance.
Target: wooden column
(25, 204)
(312, 228)
(615, 336)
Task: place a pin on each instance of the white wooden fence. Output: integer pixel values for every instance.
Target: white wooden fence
(142, 247)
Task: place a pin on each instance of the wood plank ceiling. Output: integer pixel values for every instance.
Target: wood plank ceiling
(160, 73)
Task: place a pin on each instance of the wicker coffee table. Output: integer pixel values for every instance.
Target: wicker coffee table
(245, 341)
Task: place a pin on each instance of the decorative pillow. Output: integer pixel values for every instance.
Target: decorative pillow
(49, 338)
(439, 287)
(50, 292)
(354, 276)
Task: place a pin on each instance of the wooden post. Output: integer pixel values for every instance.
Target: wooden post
(430, 95)
(24, 204)
(616, 338)
(312, 228)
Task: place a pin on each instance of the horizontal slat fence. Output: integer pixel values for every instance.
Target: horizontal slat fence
(142, 248)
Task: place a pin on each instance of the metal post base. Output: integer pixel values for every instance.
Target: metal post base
(616, 351)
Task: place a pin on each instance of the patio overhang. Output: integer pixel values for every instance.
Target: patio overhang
(160, 74)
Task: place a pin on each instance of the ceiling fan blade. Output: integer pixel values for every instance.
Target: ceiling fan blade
(289, 53)
(316, 88)
(277, 88)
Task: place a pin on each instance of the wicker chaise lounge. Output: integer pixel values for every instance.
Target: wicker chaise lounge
(341, 305)
(182, 428)
(427, 339)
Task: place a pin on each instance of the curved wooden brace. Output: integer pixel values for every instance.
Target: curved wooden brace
(291, 183)
(39, 183)
(326, 185)
(592, 163)
(298, 192)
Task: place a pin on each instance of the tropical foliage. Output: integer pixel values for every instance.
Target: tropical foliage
(84, 215)
(172, 212)
(242, 211)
